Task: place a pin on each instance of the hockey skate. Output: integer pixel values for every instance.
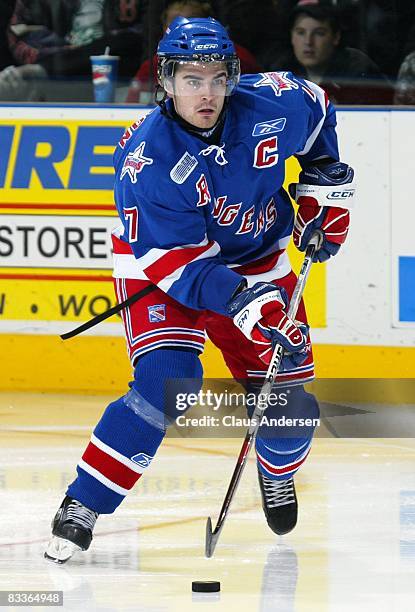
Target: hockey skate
(71, 530)
(279, 502)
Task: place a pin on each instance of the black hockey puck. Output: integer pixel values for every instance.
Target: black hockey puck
(205, 586)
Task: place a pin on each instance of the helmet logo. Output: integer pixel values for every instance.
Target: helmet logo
(206, 47)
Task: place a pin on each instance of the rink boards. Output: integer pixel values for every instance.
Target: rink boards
(55, 264)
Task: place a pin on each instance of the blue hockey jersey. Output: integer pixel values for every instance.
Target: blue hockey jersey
(192, 212)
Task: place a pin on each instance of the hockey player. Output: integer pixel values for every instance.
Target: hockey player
(205, 218)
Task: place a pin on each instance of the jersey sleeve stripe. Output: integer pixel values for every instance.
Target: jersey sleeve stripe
(322, 100)
(160, 266)
(169, 266)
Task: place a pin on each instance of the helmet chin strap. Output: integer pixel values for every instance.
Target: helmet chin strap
(161, 101)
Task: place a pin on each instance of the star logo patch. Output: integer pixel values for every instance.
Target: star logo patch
(135, 162)
(278, 81)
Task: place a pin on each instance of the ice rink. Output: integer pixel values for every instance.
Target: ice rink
(353, 548)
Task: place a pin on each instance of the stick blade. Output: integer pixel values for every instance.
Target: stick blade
(209, 542)
(212, 536)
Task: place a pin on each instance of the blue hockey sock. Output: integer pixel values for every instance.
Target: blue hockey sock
(130, 431)
(282, 449)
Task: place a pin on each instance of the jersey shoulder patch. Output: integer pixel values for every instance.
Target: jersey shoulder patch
(276, 87)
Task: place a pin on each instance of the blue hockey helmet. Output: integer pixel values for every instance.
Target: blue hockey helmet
(196, 39)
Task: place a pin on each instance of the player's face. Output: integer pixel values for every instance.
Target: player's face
(313, 41)
(199, 92)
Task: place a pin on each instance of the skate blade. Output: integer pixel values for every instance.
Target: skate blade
(60, 550)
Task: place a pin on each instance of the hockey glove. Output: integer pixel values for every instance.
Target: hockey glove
(259, 314)
(317, 194)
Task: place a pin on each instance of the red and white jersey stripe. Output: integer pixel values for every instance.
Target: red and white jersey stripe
(163, 267)
(153, 264)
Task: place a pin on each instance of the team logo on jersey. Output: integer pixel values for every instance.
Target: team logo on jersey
(184, 167)
(269, 127)
(252, 221)
(278, 81)
(156, 313)
(135, 162)
(142, 459)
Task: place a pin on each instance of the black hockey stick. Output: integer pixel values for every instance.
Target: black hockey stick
(108, 313)
(212, 536)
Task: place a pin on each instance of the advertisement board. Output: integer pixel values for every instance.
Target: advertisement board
(57, 212)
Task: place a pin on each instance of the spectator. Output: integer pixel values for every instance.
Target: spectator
(16, 82)
(142, 86)
(318, 54)
(405, 83)
(376, 27)
(22, 83)
(6, 12)
(60, 35)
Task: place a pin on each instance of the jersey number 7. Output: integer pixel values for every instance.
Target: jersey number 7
(131, 215)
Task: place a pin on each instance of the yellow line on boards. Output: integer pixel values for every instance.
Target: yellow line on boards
(98, 364)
